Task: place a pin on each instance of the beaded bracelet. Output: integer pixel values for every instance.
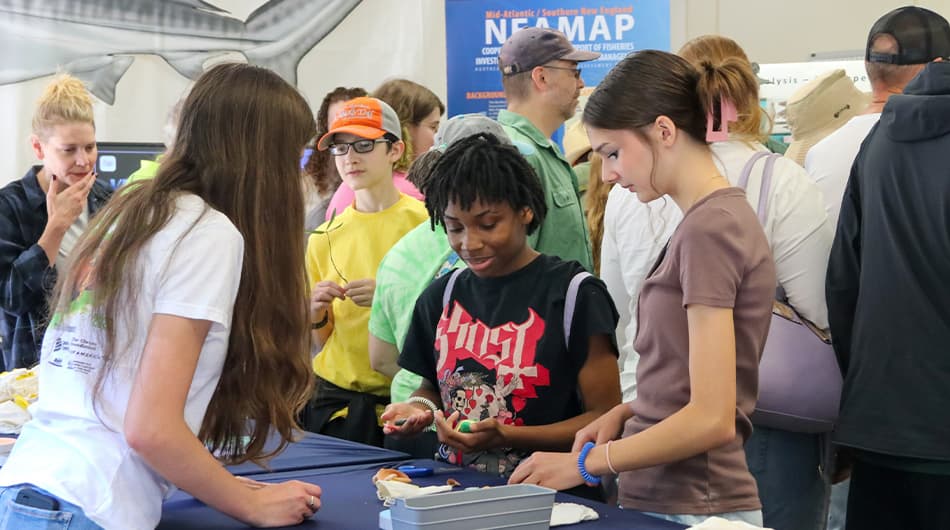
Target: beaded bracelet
(428, 403)
(425, 401)
(590, 479)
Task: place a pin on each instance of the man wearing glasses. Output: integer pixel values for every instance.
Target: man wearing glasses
(542, 82)
(343, 254)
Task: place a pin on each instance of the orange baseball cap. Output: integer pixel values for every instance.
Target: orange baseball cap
(366, 117)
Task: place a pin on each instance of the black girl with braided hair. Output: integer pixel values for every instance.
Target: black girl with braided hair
(501, 378)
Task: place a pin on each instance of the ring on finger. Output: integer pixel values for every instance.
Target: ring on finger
(311, 502)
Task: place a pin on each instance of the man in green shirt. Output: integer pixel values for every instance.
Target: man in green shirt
(542, 83)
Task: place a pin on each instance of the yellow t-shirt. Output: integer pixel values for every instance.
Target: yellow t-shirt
(359, 242)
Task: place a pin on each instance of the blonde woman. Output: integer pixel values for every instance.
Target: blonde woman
(44, 213)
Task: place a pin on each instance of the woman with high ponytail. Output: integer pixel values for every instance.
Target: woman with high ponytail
(43, 214)
(704, 308)
(800, 234)
(179, 338)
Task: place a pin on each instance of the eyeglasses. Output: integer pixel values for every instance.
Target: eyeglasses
(577, 71)
(360, 146)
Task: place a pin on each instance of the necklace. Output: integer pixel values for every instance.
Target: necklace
(709, 186)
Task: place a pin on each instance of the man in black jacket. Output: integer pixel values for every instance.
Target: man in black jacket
(888, 296)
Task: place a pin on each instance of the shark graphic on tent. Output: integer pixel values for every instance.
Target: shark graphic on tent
(96, 39)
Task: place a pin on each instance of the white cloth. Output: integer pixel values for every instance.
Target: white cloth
(79, 453)
(18, 382)
(390, 490)
(829, 161)
(71, 237)
(634, 234)
(796, 226)
(12, 417)
(565, 513)
(718, 523)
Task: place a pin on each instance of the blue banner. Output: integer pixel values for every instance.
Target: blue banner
(476, 29)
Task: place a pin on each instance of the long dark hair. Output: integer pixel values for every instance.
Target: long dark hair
(238, 146)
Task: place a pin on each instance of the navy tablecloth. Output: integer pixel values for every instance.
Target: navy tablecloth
(349, 501)
(318, 451)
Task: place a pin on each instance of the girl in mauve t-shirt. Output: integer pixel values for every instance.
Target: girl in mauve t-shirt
(704, 309)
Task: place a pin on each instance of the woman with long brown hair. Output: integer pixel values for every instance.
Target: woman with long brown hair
(180, 330)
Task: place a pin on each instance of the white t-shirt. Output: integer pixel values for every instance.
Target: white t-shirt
(80, 454)
(71, 237)
(797, 228)
(634, 234)
(829, 161)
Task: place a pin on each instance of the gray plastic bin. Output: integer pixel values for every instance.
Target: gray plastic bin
(520, 506)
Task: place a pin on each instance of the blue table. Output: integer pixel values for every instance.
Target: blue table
(319, 451)
(349, 501)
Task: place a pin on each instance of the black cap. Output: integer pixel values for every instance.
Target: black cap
(921, 36)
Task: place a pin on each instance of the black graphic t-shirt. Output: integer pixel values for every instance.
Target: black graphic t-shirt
(498, 351)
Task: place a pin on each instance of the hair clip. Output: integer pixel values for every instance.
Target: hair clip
(727, 113)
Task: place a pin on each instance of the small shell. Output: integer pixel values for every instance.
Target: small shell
(391, 474)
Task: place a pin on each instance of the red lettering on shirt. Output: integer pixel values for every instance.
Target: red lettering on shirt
(509, 350)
